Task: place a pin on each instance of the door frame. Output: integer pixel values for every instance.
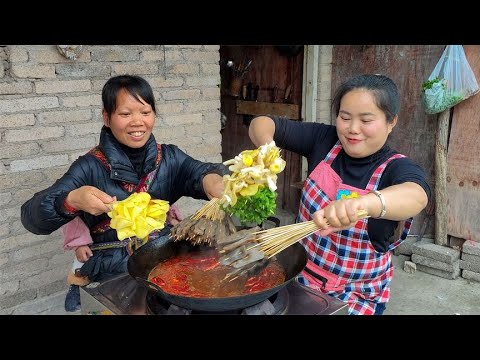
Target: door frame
(309, 90)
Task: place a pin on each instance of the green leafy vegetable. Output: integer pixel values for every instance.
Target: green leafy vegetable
(437, 97)
(429, 83)
(254, 209)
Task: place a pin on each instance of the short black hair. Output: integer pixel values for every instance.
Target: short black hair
(383, 89)
(137, 86)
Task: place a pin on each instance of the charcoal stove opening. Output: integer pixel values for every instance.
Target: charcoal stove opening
(276, 304)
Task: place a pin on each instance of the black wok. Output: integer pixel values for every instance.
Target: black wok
(293, 259)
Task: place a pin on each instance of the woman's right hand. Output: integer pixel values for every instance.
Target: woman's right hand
(90, 199)
(339, 215)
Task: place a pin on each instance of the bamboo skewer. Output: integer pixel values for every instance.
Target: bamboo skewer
(272, 241)
(211, 210)
(205, 226)
(275, 240)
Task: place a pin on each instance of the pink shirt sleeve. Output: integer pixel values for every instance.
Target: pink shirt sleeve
(75, 233)
(174, 214)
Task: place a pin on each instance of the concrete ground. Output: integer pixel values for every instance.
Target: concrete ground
(424, 294)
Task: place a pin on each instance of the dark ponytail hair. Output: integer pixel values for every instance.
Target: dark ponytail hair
(383, 89)
(137, 86)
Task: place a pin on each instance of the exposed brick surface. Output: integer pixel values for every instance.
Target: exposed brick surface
(405, 248)
(474, 259)
(188, 69)
(28, 104)
(135, 69)
(181, 94)
(15, 88)
(17, 298)
(16, 120)
(68, 144)
(30, 178)
(444, 274)
(436, 252)
(409, 267)
(24, 270)
(37, 133)
(177, 120)
(64, 116)
(47, 56)
(471, 247)
(83, 101)
(203, 81)
(34, 72)
(9, 287)
(115, 54)
(62, 86)
(475, 267)
(154, 55)
(4, 231)
(422, 260)
(19, 150)
(5, 198)
(471, 275)
(38, 163)
(50, 113)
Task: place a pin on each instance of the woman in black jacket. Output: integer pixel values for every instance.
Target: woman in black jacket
(127, 159)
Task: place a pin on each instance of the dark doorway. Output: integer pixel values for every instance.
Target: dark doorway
(262, 80)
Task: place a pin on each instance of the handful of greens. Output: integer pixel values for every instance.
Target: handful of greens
(437, 97)
(250, 190)
(256, 208)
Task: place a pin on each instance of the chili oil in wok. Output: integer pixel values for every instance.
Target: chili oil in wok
(198, 274)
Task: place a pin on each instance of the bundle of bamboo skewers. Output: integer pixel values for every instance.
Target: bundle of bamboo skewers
(267, 243)
(253, 173)
(274, 240)
(205, 226)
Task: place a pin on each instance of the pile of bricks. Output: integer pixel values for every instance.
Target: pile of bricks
(447, 262)
(470, 260)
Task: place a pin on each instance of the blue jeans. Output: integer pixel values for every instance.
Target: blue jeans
(380, 308)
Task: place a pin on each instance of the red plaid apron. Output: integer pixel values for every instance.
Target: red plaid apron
(344, 264)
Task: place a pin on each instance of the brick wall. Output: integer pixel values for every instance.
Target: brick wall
(50, 113)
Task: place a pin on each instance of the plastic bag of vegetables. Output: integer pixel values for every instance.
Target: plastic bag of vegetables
(451, 81)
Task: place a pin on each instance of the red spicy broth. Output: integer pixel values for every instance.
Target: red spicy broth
(197, 274)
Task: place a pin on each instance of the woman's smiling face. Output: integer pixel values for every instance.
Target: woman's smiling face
(362, 127)
(132, 121)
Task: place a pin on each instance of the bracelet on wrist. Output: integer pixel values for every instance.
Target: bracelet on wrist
(383, 211)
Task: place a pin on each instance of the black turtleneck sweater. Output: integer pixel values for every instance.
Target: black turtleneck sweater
(136, 156)
(315, 140)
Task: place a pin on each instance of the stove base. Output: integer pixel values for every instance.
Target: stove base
(123, 295)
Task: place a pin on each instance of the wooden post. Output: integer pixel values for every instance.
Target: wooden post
(441, 215)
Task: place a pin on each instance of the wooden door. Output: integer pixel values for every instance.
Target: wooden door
(463, 161)
(273, 71)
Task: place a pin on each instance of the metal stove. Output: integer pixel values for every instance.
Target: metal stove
(123, 295)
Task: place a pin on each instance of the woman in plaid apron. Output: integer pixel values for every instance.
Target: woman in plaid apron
(350, 169)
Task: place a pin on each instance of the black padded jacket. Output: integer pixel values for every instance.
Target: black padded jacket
(178, 175)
